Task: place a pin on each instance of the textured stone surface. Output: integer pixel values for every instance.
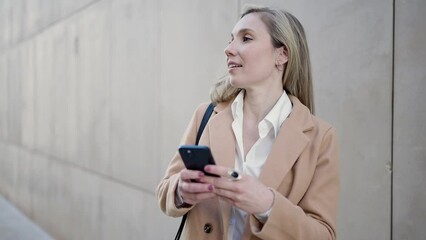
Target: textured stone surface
(132, 214)
(15, 225)
(409, 190)
(95, 96)
(71, 90)
(21, 20)
(3, 96)
(135, 93)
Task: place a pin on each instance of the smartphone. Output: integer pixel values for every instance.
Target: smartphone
(196, 157)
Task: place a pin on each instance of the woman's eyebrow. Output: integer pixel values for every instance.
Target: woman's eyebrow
(243, 30)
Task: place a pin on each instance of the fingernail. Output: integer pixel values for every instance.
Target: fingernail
(210, 187)
(201, 174)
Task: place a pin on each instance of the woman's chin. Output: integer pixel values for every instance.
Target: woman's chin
(235, 82)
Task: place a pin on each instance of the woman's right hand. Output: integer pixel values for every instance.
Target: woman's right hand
(193, 192)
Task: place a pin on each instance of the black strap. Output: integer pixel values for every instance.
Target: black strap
(182, 224)
(204, 121)
(203, 124)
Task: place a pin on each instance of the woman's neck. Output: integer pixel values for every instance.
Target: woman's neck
(259, 102)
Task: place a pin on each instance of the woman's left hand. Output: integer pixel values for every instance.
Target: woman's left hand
(245, 193)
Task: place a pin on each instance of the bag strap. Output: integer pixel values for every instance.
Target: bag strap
(203, 124)
(204, 121)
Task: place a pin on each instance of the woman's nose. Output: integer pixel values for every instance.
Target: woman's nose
(230, 49)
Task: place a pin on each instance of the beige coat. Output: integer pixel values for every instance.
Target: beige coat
(302, 168)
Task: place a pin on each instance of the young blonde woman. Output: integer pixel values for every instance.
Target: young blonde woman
(278, 163)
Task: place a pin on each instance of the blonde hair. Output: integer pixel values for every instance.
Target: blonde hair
(287, 31)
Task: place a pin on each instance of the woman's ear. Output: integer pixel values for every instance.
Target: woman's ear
(282, 56)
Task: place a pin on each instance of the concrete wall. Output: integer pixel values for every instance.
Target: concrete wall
(95, 95)
(409, 135)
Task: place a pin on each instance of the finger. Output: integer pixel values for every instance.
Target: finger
(191, 187)
(223, 183)
(195, 198)
(186, 174)
(217, 170)
(217, 182)
(226, 194)
(208, 179)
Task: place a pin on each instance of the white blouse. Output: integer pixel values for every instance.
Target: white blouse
(252, 165)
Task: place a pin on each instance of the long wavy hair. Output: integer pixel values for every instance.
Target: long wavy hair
(287, 31)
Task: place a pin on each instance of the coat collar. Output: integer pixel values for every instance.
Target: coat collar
(288, 145)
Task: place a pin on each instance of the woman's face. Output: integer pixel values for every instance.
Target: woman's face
(250, 54)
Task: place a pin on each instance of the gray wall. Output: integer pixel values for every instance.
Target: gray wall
(409, 132)
(95, 95)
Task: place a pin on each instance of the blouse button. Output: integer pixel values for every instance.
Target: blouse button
(208, 228)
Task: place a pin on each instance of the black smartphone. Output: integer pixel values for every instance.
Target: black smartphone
(196, 157)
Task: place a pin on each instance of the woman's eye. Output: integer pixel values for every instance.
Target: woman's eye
(245, 39)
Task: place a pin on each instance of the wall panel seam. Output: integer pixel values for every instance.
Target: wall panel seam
(75, 166)
(392, 118)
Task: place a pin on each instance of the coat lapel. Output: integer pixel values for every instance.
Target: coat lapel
(222, 144)
(288, 145)
(286, 149)
(222, 139)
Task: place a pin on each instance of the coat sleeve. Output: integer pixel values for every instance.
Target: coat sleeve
(314, 217)
(166, 189)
